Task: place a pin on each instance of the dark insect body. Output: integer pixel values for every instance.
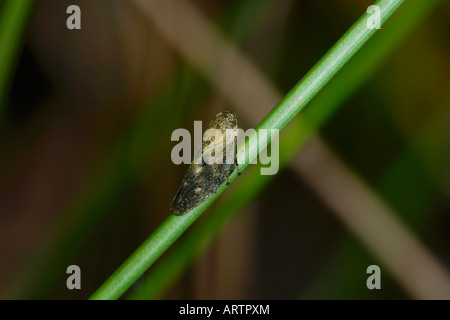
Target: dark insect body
(203, 179)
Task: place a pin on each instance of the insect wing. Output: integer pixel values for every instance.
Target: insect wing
(203, 179)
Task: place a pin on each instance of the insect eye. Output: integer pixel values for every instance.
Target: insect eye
(213, 138)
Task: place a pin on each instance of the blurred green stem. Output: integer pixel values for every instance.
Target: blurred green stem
(278, 118)
(14, 16)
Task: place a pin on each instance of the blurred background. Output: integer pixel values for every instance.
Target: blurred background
(86, 175)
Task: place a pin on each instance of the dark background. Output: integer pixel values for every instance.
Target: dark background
(85, 165)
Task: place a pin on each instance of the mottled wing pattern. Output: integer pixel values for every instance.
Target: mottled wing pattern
(199, 183)
(202, 180)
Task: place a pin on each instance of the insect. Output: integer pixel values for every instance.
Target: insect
(203, 179)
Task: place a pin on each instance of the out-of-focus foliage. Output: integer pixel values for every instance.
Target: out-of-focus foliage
(85, 139)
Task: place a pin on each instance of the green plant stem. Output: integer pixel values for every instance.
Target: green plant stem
(278, 118)
(350, 78)
(115, 173)
(14, 16)
(245, 190)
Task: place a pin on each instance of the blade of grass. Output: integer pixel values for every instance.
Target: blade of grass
(405, 170)
(278, 118)
(351, 77)
(246, 188)
(94, 199)
(119, 169)
(14, 16)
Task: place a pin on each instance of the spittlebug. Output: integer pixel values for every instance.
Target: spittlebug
(203, 179)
